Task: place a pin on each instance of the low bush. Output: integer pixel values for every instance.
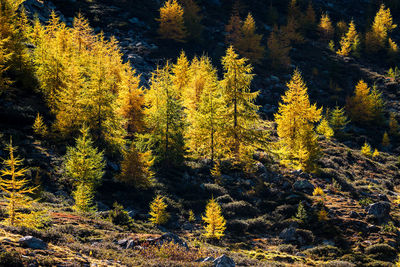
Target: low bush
(11, 259)
(120, 217)
(239, 208)
(237, 226)
(382, 252)
(215, 190)
(324, 252)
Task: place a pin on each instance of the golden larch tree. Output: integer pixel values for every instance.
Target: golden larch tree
(350, 42)
(158, 211)
(325, 27)
(15, 187)
(171, 20)
(216, 224)
(298, 146)
(181, 73)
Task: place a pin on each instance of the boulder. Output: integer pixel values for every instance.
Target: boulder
(303, 186)
(288, 235)
(223, 261)
(32, 242)
(379, 210)
(167, 238)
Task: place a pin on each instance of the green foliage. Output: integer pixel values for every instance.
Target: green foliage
(301, 213)
(84, 196)
(158, 211)
(393, 73)
(338, 120)
(119, 216)
(164, 121)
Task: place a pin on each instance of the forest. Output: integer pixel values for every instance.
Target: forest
(199, 133)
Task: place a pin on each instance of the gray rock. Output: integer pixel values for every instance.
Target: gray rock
(224, 261)
(288, 235)
(32, 242)
(167, 238)
(380, 210)
(303, 186)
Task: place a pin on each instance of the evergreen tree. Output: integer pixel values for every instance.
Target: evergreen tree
(338, 120)
(326, 29)
(234, 29)
(295, 118)
(172, 21)
(15, 187)
(84, 165)
(366, 150)
(215, 227)
(181, 73)
(279, 49)
(242, 129)
(158, 211)
(385, 140)
(164, 120)
(135, 168)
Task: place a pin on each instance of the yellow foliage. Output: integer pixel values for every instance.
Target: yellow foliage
(366, 105)
(350, 41)
(326, 29)
(295, 118)
(324, 129)
(39, 128)
(366, 150)
(385, 140)
(318, 192)
(158, 213)
(191, 218)
(181, 74)
(215, 227)
(279, 48)
(135, 168)
(322, 215)
(375, 154)
(377, 37)
(15, 187)
(83, 196)
(171, 21)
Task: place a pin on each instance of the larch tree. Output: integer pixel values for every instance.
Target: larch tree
(279, 48)
(158, 211)
(164, 120)
(350, 42)
(181, 73)
(15, 187)
(298, 146)
(84, 166)
(376, 39)
(249, 45)
(310, 19)
(366, 105)
(325, 27)
(135, 168)
(234, 29)
(39, 127)
(338, 120)
(171, 20)
(242, 129)
(215, 222)
(192, 19)
(206, 118)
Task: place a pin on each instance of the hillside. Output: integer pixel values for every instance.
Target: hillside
(110, 112)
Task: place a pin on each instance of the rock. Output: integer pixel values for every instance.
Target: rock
(380, 210)
(224, 261)
(167, 238)
(32, 242)
(303, 186)
(288, 235)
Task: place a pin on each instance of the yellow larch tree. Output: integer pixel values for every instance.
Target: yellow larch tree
(376, 39)
(181, 73)
(234, 29)
(279, 48)
(326, 29)
(249, 45)
(158, 211)
(15, 187)
(350, 42)
(366, 105)
(298, 146)
(39, 127)
(216, 224)
(171, 20)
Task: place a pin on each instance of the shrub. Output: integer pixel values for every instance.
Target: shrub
(258, 225)
(240, 208)
(381, 252)
(11, 259)
(237, 226)
(287, 248)
(338, 263)
(318, 192)
(323, 252)
(119, 216)
(305, 235)
(215, 189)
(366, 150)
(224, 199)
